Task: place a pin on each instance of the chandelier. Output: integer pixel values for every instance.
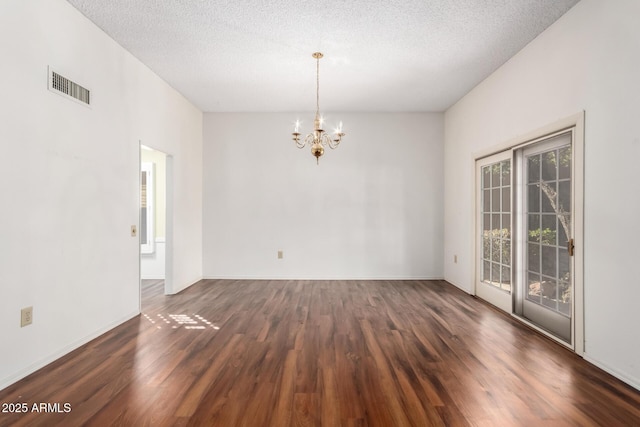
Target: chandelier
(318, 139)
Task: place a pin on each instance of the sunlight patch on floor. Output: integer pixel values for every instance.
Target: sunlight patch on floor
(176, 321)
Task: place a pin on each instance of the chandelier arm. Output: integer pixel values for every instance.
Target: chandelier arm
(333, 143)
(303, 143)
(325, 139)
(308, 140)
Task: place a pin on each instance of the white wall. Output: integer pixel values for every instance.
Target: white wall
(588, 60)
(69, 182)
(371, 209)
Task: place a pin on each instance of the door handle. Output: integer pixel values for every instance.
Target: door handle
(570, 247)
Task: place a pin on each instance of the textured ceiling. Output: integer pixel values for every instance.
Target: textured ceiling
(380, 55)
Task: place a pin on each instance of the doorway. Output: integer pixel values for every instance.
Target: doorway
(155, 219)
(528, 220)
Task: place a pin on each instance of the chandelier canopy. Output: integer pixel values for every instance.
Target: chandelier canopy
(318, 139)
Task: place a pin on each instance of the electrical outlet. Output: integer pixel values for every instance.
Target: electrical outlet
(280, 255)
(26, 316)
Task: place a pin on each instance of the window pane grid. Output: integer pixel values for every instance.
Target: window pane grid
(548, 222)
(496, 225)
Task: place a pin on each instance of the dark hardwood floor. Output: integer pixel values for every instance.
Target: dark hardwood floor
(330, 353)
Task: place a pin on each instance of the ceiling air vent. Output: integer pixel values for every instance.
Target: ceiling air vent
(68, 88)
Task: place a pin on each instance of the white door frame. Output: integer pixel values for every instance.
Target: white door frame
(576, 123)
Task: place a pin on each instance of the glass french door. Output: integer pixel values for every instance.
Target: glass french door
(545, 294)
(493, 201)
(524, 233)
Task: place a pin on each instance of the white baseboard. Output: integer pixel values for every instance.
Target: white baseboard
(6, 382)
(462, 288)
(628, 379)
(186, 285)
(316, 278)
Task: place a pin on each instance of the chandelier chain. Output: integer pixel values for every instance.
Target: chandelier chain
(317, 85)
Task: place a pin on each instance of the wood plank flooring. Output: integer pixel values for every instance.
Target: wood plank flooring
(322, 353)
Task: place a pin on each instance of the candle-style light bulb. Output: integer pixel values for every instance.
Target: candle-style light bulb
(297, 126)
(340, 128)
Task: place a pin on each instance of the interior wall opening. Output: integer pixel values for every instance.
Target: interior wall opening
(154, 245)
